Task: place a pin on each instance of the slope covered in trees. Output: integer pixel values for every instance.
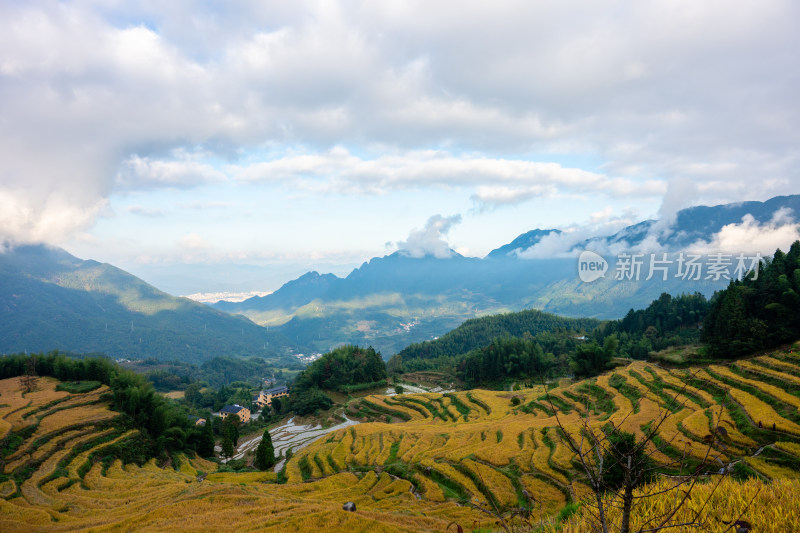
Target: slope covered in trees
(757, 312)
(479, 332)
(532, 345)
(509, 357)
(667, 321)
(344, 369)
(51, 300)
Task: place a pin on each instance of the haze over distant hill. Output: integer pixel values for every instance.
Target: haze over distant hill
(52, 300)
(398, 299)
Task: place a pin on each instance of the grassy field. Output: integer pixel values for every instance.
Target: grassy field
(417, 466)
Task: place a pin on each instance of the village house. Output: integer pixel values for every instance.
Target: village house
(242, 412)
(264, 398)
(196, 420)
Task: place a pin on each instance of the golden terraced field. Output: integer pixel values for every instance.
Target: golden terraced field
(415, 469)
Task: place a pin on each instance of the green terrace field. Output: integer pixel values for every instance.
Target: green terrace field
(418, 465)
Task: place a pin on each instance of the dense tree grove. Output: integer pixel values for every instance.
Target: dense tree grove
(533, 345)
(754, 314)
(342, 369)
(479, 332)
(225, 370)
(591, 359)
(309, 401)
(230, 429)
(507, 357)
(227, 448)
(205, 443)
(667, 321)
(163, 425)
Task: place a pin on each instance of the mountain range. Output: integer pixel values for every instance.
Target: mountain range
(392, 301)
(52, 300)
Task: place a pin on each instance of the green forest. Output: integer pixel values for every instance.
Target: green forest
(758, 312)
(532, 345)
(479, 332)
(667, 321)
(345, 369)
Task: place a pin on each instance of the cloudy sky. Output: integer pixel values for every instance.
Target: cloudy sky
(150, 134)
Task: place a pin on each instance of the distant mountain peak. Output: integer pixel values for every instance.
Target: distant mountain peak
(427, 255)
(521, 243)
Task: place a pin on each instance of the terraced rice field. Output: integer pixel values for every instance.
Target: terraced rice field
(769, 507)
(478, 445)
(51, 484)
(417, 467)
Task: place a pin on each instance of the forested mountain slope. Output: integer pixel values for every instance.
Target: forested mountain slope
(51, 300)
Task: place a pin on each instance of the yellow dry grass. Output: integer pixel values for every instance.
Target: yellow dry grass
(677, 378)
(785, 376)
(17, 403)
(498, 484)
(756, 409)
(549, 498)
(769, 507)
(772, 390)
(242, 477)
(789, 447)
(770, 470)
(59, 420)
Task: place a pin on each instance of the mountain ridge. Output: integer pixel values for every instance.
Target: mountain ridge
(375, 302)
(53, 300)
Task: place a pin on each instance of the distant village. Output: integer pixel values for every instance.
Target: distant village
(308, 358)
(261, 400)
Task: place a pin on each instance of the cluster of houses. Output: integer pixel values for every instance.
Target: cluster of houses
(265, 397)
(262, 399)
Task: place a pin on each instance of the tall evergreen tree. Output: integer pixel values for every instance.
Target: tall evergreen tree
(205, 444)
(230, 429)
(227, 447)
(265, 453)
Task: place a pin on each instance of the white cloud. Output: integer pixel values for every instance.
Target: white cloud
(601, 216)
(557, 244)
(100, 99)
(498, 181)
(430, 239)
(143, 173)
(49, 219)
(203, 206)
(751, 237)
(747, 237)
(569, 242)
